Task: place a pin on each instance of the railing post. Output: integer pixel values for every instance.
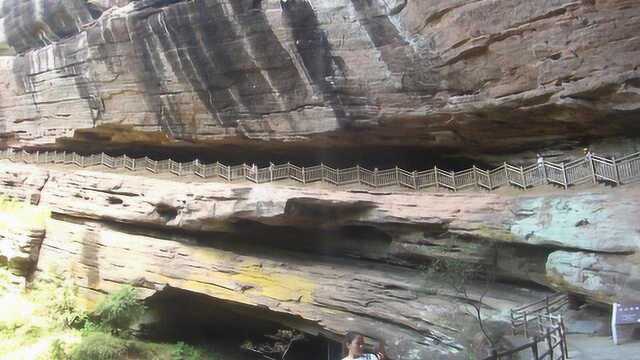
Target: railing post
(322, 172)
(455, 186)
(397, 176)
(550, 344)
(375, 177)
(615, 169)
(526, 325)
(490, 181)
(564, 176)
(270, 172)
(546, 300)
(358, 173)
(506, 173)
(475, 177)
(534, 348)
(435, 174)
(415, 180)
(544, 173)
(593, 170)
(524, 180)
(304, 178)
(563, 338)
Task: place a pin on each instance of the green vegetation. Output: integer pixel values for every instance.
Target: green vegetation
(103, 346)
(184, 351)
(48, 323)
(119, 311)
(61, 297)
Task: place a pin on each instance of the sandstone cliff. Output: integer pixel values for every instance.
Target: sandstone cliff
(324, 260)
(479, 74)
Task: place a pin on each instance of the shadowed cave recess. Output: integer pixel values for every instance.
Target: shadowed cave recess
(235, 332)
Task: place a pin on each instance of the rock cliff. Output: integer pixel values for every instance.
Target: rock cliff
(484, 75)
(312, 256)
(377, 82)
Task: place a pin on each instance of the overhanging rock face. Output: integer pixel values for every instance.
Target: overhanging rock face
(429, 73)
(326, 260)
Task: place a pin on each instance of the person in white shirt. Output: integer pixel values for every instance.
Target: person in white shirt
(354, 344)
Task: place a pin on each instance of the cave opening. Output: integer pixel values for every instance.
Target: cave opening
(262, 153)
(232, 330)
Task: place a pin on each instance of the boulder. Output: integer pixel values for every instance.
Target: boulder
(602, 277)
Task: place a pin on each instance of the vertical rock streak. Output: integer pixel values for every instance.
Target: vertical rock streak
(315, 51)
(395, 51)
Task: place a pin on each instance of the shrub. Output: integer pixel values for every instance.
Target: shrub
(64, 306)
(184, 351)
(56, 350)
(119, 310)
(103, 346)
(61, 297)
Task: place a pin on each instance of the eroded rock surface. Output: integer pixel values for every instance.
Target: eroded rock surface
(315, 256)
(606, 278)
(432, 73)
(22, 230)
(326, 296)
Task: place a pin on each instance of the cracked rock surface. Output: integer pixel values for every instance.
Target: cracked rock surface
(313, 257)
(433, 73)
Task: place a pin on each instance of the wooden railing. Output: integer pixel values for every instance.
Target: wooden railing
(522, 316)
(550, 343)
(592, 168)
(549, 339)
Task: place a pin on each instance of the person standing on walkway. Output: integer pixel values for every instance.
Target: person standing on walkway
(542, 172)
(354, 347)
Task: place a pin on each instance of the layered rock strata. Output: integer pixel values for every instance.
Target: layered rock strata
(314, 256)
(430, 73)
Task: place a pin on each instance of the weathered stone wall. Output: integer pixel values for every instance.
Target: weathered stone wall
(314, 256)
(432, 73)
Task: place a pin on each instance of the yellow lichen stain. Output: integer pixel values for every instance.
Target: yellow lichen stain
(282, 287)
(212, 290)
(204, 255)
(249, 277)
(15, 213)
(490, 233)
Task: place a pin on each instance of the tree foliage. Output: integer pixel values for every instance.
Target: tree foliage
(119, 310)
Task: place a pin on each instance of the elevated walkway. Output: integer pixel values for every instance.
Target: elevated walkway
(590, 169)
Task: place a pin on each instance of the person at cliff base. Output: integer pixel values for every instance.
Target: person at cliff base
(354, 348)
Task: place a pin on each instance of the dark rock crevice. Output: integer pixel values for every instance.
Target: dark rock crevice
(181, 315)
